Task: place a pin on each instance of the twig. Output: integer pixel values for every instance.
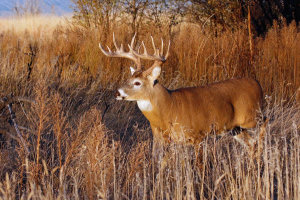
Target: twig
(105, 110)
(11, 99)
(12, 115)
(250, 35)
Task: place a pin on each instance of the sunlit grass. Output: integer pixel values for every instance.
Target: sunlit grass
(85, 145)
(43, 24)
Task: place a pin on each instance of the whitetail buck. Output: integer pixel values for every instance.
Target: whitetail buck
(187, 113)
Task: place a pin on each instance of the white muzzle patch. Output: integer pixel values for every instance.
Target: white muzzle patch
(144, 105)
(122, 95)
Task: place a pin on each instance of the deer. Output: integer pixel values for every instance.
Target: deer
(186, 114)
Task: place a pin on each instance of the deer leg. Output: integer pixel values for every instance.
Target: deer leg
(251, 143)
(244, 138)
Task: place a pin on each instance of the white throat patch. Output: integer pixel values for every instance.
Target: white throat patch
(144, 105)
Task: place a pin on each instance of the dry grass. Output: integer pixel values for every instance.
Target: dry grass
(40, 24)
(85, 145)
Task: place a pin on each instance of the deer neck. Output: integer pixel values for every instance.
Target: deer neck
(157, 108)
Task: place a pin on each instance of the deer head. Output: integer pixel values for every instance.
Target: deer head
(140, 86)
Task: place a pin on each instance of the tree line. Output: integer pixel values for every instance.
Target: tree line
(212, 14)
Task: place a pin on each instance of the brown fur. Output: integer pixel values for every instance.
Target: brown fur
(190, 113)
(187, 114)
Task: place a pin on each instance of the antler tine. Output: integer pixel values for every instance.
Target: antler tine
(135, 55)
(121, 53)
(109, 50)
(132, 42)
(162, 47)
(157, 55)
(115, 43)
(103, 51)
(131, 50)
(137, 58)
(167, 54)
(145, 50)
(156, 52)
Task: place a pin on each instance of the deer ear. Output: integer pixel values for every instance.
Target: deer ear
(132, 70)
(154, 74)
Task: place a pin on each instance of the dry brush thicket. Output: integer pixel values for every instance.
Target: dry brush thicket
(57, 89)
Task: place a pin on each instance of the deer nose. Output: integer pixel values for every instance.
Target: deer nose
(117, 93)
(121, 94)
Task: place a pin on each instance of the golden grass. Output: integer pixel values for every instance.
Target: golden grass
(85, 145)
(42, 24)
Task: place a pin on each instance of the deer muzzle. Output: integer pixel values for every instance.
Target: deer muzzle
(121, 95)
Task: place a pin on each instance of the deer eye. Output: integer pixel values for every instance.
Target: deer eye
(137, 83)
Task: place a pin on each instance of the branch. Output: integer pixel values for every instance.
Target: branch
(12, 115)
(8, 101)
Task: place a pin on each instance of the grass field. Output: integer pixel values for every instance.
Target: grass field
(83, 144)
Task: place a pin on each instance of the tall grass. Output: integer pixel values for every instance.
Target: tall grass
(85, 145)
(33, 24)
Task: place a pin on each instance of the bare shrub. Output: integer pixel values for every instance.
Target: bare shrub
(30, 7)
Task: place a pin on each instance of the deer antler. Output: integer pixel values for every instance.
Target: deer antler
(157, 56)
(122, 54)
(158, 53)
